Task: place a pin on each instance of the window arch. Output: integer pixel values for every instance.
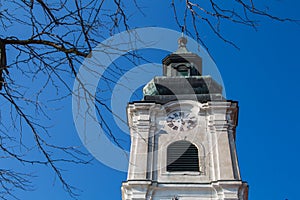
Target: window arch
(182, 156)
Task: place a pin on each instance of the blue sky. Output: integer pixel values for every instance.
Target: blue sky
(263, 76)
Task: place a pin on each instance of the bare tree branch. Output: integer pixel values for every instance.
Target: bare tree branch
(45, 42)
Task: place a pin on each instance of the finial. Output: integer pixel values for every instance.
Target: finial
(182, 30)
(182, 42)
(182, 45)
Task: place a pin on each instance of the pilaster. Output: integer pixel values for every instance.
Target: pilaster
(221, 126)
(141, 129)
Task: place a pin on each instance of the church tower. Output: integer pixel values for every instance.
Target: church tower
(183, 137)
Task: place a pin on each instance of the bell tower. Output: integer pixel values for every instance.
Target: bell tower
(183, 137)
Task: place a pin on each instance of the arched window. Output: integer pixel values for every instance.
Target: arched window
(182, 156)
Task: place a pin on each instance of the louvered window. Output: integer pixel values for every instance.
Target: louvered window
(182, 156)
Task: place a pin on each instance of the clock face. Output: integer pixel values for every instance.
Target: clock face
(181, 120)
